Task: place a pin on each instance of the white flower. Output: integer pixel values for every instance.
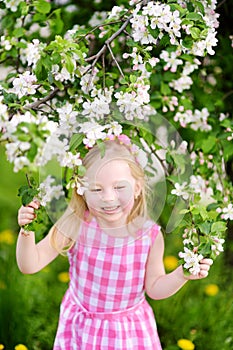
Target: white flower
(32, 52)
(191, 260)
(70, 160)
(114, 128)
(93, 132)
(181, 84)
(81, 187)
(24, 84)
(197, 120)
(48, 191)
(20, 163)
(12, 5)
(217, 245)
(180, 190)
(5, 43)
(172, 62)
(67, 119)
(52, 147)
(88, 80)
(227, 212)
(131, 103)
(115, 12)
(97, 108)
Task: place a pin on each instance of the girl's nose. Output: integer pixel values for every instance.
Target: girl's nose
(108, 195)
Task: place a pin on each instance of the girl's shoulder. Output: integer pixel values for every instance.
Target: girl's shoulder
(154, 229)
(149, 227)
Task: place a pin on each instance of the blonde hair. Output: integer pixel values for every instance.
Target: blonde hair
(70, 221)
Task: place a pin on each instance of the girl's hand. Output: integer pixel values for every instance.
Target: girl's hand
(26, 214)
(204, 270)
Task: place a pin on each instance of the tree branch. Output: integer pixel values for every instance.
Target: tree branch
(115, 60)
(108, 42)
(36, 104)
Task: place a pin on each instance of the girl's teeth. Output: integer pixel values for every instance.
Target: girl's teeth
(113, 208)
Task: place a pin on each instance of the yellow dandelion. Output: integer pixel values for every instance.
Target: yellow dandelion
(185, 344)
(211, 290)
(63, 277)
(2, 346)
(7, 236)
(21, 347)
(2, 286)
(170, 262)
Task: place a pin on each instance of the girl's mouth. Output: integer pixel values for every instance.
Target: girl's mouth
(111, 209)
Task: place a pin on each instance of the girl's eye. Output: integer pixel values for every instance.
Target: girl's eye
(119, 187)
(95, 190)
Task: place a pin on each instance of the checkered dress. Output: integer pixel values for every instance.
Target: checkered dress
(104, 307)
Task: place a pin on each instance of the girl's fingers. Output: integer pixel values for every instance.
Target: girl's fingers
(27, 214)
(207, 261)
(34, 204)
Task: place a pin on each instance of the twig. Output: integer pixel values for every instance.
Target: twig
(105, 46)
(36, 104)
(103, 67)
(28, 180)
(115, 60)
(227, 94)
(221, 3)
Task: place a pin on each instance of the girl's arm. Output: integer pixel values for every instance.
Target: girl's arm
(32, 257)
(160, 285)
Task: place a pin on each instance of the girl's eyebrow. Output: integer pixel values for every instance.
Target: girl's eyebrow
(94, 184)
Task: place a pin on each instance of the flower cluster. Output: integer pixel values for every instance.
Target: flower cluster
(48, 191)
(197, 120)
(25, 84)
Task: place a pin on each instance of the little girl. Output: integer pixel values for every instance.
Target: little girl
(115, 253)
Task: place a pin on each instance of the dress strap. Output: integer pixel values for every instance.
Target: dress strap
(154, 232)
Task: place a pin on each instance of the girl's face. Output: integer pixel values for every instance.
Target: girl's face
(111, 193)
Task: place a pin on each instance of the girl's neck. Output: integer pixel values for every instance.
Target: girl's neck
(121, 231)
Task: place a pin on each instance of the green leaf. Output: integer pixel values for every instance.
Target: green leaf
(200, 6)
(76, 141)
(184, 211)
(195, 32)
(40, 70)
(56, 22)
(42, 6)
(154, 32)
(205, 249)
(18, 32)
(193, 16)
(187, 42)
(69, 64)
(208, 144)
(27, 194)
(205, 227)
(102, 147)
(218, 226)
(165, 89)
(32, 152)
(133, 78)
(81, 170)
(24, 8)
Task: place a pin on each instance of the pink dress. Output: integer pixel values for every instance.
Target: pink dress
(104, 307)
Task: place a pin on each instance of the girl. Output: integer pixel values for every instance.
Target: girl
(115, 253)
